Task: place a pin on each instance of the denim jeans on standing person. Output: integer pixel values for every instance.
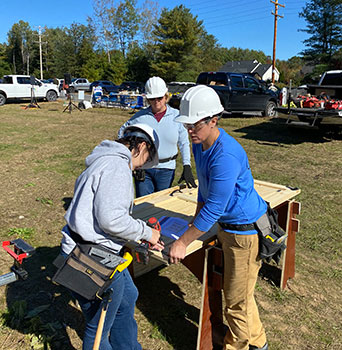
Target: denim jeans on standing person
(120, 328)
(155, 180)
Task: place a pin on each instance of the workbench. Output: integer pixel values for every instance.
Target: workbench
(204, 257)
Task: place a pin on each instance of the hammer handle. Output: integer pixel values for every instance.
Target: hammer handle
(99, 329)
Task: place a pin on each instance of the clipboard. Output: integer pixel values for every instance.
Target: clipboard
(173, 227)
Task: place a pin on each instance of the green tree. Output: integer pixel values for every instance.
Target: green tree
(59, 51)
(125, 23)
(116, 69)
(102, 27)
(177, 53)
(4, 65)
(20, 49)
(93, 68)
(138, 63)
(291, 70)
(149, 14)
(336, 60)
(239, 54)
(77, 46)
(55, 59)
(324, 25)
(210, 53)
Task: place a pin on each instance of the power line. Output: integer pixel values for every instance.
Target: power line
(238, 22)
(213, 7)
(219, 8)
(248, 15)
(231, 14)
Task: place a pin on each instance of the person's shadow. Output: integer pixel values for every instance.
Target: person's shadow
(40, 308)
(276, 133)
(162, 302)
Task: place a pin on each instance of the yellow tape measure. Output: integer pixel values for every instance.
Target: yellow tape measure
(125, 264)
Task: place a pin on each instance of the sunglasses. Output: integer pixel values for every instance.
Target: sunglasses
(156, 99)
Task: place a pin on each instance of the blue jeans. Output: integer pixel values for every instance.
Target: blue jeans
(155, 180)
(120, 329)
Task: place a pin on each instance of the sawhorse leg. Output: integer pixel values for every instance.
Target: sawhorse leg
(207, 265)
(287, 213)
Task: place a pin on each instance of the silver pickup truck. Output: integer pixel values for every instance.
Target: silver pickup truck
(79, 84)
(20, 87)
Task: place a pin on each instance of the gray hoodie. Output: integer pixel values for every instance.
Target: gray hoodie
(103, 201)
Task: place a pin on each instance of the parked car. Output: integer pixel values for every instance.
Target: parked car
(79, 84)
(241, 92)
(107, 86)
(132, 86)
(19, 87)
(177, 89)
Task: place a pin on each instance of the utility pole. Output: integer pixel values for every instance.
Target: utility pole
(40, 42)
(40, 52)
(276, 4)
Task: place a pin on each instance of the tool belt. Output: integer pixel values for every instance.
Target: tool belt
(242, 227)
(88, 270)
(271, 236)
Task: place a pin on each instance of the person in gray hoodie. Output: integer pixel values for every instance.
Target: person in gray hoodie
(100, 212)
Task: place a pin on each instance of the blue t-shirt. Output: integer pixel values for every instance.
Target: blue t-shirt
(226, 185)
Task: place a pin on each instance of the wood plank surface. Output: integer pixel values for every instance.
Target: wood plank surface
(181, 202)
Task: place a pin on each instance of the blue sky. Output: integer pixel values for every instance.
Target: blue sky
(240, 23)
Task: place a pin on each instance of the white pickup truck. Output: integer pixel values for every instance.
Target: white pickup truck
(19, 87)
(330, 84)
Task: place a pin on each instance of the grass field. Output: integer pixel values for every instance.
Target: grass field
(42, 152)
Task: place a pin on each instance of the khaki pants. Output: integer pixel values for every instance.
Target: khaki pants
(241, 267)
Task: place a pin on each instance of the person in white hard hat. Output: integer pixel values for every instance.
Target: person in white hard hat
(160, 116)
(226, 195)
(100, 213)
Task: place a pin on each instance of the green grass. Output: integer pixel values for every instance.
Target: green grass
(21, 232)
(43, 151)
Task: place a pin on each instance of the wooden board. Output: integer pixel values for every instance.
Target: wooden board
(182, 203)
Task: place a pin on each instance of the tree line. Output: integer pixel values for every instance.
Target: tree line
(124, 42)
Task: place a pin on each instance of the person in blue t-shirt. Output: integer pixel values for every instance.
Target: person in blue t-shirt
(226, 195)
(160, 116)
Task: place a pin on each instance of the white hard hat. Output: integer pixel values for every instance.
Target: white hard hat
(155, 87)
(197, 103)
(147, 133)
